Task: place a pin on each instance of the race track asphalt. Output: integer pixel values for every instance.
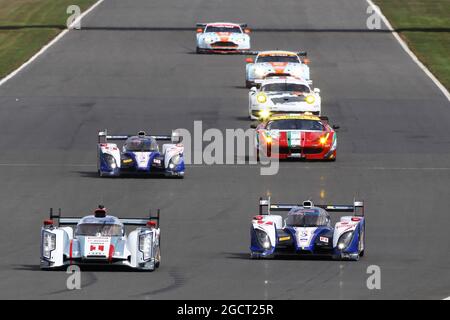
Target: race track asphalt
(133, 67)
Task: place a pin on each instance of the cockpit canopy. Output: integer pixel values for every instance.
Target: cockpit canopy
(304, 218)
(100, 227)
(141, 144)
(285, 87)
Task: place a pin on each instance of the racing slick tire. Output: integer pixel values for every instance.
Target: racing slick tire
(362, 242)
(158, 259)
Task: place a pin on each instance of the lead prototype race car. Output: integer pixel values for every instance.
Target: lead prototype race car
(140, 155)
(222, 37)
(307, 231)
(100, 239)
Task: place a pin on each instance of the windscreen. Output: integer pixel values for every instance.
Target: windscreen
(289, 59)
(285, 87)
(295, 124)
(308, 218)
(223, 29)
(99, 229)
(138, 144)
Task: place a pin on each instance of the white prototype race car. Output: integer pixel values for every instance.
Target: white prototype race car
(101, 240)
(276, 64)
(222, 37)
(283, 95)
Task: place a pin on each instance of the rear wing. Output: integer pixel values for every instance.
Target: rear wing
(103, 137)
(302, 54)
(357, 208)
(203, 25)
(67, 221)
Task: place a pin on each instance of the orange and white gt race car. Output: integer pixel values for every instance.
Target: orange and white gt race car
(276, 64)
(222, 37)
(298, 136)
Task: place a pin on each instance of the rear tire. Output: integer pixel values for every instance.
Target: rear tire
(362, 242)
(158, 259)
(248, 84)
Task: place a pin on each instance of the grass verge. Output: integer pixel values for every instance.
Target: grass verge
(425, 26)
(27, 25)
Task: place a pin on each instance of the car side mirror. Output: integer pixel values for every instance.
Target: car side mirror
(176, 138)
(335, 127)
(253, 89)
(316, 90)
(249, 60)
(254, 125)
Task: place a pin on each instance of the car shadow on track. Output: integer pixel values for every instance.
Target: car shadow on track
(94, 174)
(246, 256)
(85, 268)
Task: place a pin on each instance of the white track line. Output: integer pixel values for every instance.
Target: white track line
(51, 43)
(448, 298)
(408, 51)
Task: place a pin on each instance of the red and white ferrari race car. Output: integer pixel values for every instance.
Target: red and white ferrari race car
(296, 136)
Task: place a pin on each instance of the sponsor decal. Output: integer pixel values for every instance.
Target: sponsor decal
(324, 239)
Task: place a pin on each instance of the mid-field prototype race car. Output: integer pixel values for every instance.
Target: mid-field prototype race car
(222, 37)
(296, 136)
(276, 63)
(100, 239)
(283, 95)
(307, 230)
(140, 155)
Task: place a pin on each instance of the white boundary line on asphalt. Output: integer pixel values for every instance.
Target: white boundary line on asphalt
(51, 43)
(408, 51)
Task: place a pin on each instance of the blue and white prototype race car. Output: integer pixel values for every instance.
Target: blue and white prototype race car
(100, 240)
(307, 230)
(140, 154)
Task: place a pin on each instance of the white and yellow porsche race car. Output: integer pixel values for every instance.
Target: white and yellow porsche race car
(283, 95)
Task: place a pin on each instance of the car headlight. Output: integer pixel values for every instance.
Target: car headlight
(145, 244)
(176, 159)
(263, 239)
(209, 40)
(310, 99)
(344, 240)
(264, 114)
(48, 244)
(261, 98)
(323, 140)
(110, 160)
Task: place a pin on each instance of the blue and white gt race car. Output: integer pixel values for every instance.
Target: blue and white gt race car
(307, 230)
(100, 240)
(140, 154)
